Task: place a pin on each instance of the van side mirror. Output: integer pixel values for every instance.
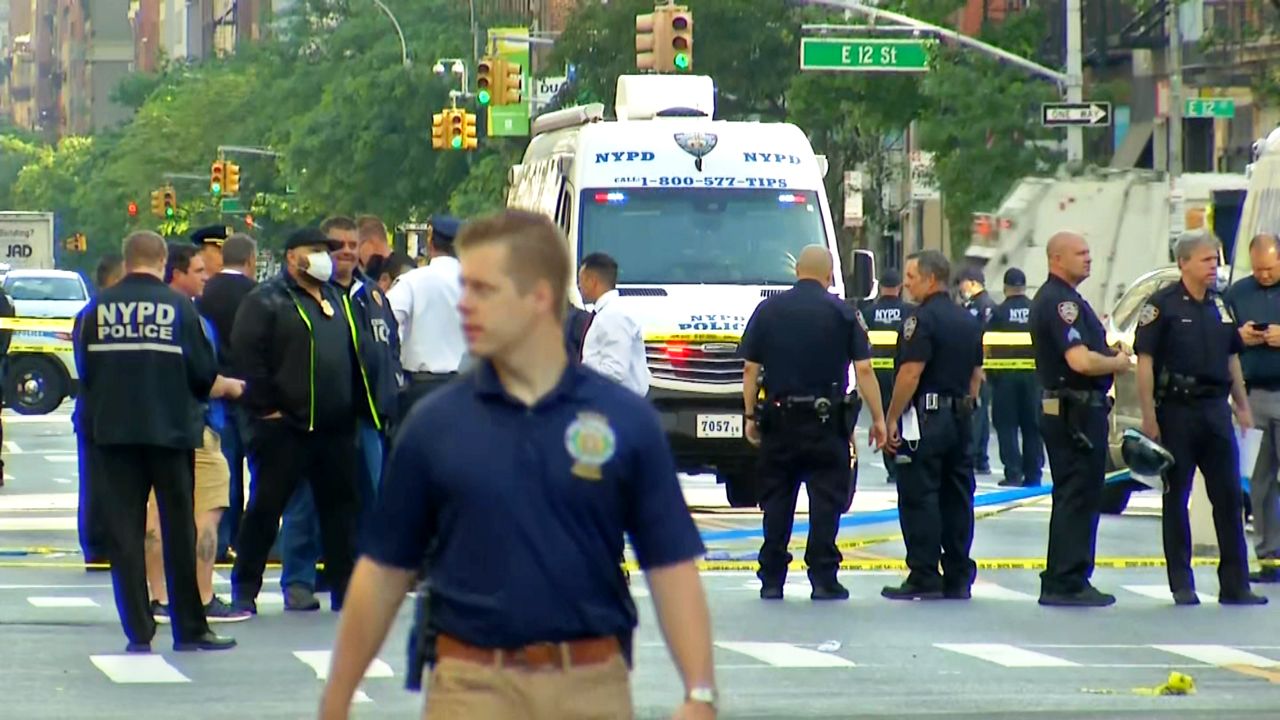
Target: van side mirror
(861, 283)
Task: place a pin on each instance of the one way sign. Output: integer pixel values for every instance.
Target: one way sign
(1093, 114)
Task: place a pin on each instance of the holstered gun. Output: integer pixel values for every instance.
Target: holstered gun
(422, 638)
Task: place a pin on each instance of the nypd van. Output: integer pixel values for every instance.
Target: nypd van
(705, 219)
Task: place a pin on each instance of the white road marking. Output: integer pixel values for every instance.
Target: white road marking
(138, 669)
(62, 602)
(786, 655)
(992, 591)
(1161, 592)
(1219, 655)
(59, 522)
(39, 501)
(17, 419)
(62, 481)
(11, 446)
(318, 660)
(62, 458)
(1006, 655)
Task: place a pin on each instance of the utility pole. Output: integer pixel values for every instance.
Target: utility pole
(1175, 90)
(1075, 80)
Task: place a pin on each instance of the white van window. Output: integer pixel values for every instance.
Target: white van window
(44, 288)
(675, 236)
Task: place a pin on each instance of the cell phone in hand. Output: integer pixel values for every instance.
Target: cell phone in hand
(1261, 326)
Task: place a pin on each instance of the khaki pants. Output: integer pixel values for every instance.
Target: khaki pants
(461, 690)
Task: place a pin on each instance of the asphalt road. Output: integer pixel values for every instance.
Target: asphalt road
(998, 656)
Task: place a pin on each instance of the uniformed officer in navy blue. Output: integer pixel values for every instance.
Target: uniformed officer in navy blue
(886, 314)
(1188, 364)
(1075, 368)
(973, 291)
(1015, 393)
(518, 482)
(939, 365)
(147, 367)
(805, 340)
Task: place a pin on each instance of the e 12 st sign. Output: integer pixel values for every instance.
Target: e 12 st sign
(865, 55)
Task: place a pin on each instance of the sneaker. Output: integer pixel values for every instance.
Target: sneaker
(219, 612)
(300, 598)
(160, 612)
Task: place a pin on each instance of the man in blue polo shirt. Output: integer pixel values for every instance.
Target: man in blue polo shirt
(521, 478)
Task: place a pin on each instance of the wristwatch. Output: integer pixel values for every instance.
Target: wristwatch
(703, 694)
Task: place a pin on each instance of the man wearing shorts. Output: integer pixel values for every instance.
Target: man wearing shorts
(186, 274)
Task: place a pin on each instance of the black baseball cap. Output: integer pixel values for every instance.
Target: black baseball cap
(890, 277)
(1015, 278)
(310, 236)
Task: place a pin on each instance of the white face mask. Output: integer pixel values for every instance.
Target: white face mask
(320, 266)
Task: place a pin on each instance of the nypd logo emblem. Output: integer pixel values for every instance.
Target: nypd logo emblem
(909, 327)
(591, 443)
(1068, 311)
(1148, 315)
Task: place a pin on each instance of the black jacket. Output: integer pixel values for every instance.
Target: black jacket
(146, 366)
(271, 346)
(221, 299)
(381, 353)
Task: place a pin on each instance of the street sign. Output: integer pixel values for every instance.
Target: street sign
(1090, 114)
(865, 55)
(853, 211)
(1223, 108)
(923, 184)
(232, 206)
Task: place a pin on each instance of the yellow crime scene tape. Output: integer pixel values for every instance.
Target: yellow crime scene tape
(19, 324)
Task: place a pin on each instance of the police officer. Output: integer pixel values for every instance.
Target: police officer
(210, 240)
(533, 619)
(805, 339)
(886, 314)
(1074, 366)
(1015, 394)
(147, 367)
(1255, 302)
(939, 365)
(980, 305)
(1188, 363)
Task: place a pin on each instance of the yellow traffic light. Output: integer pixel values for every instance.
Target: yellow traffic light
(170, 203)
(82, 242)
(645, 42)
(469, 141)
(157, 203)
(680, 22)
(217, 177)
(510, 85)
(437, 131)
(456, 119)
(485, 80)
(232, 171)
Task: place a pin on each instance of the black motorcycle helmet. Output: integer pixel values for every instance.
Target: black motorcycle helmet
(1146, 459)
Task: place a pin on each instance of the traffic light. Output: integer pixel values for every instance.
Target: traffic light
(484, 80)
(455, 120)
(76, 243)
(132, 209)
(469, 141)
(646, 44)
(437, 130)
(680, 21)
(232, 173)
(157, 203)
(217, 177)
(170, 203)
(510, 83)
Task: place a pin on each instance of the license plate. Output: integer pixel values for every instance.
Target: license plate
(719, 426)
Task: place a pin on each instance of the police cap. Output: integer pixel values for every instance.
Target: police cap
(310, 236)
(444, 228)
(972, 274)
(890, 278)
(1015, 278)
(211, 234)
(1147, 459)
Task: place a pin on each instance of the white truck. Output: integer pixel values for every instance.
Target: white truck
(705, 218)
(1129, 217)
(26, 240)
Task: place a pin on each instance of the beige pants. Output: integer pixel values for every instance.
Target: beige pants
(461, 690)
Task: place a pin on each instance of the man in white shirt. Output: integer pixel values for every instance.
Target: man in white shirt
(425, 303)
(614, 345)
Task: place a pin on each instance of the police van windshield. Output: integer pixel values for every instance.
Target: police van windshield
(721, 236)
(44, 288)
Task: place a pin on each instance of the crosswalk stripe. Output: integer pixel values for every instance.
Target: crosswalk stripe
(58, 522)
(992, 591)
(11, 446)
(786, 655)
(62, 602)
(138, 669)
(319, 660)
(1006, 655)
(1161, 592)
(1219, 655)
(62, 458)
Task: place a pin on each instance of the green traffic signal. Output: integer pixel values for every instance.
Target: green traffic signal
(681, 61)
(168, 212)
(483, 97)
(456, 142)
(217, 188)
